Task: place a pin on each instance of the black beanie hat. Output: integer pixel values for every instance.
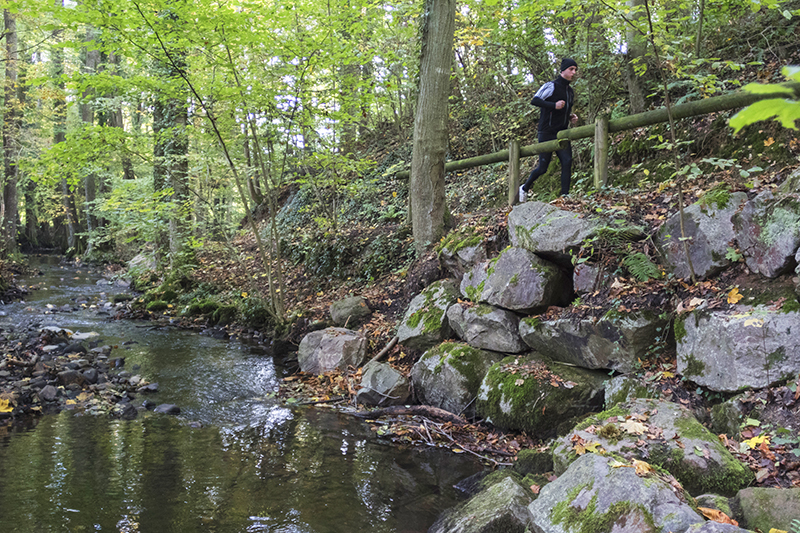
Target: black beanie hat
(566, 63)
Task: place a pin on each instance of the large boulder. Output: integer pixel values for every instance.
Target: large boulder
(331, 349)
(589, 277)
(350, 311)
(486, 327)
(461, 250)
(708, 226)
(557, 235)
(617, 341)
(537, 395)
(755, 347)
(425, 324)
(517, 280)
(501, 508)
(763, 508)
(449, 376)
(768, 232)
(602, 493)
(382, 385)
(664, 434)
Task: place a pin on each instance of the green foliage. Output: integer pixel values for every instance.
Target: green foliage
(641, 267)
(785, 110)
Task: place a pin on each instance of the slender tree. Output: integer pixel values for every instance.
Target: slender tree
(11, 130)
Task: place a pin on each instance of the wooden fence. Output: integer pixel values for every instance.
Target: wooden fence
(601, 129)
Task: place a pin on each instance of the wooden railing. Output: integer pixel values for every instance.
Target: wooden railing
(601, 129)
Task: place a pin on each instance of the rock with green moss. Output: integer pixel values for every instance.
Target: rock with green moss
(461, 250)
(533, 461)
(449, 376)
(382, 385)
(621, 389)
(224, 315)
(537, 395)
(663, 434)
(708, 229)
(502, 508)
(331, 349)
(752, 347)
(425, 324)
(486, 327)
(618, 342)
(768, 232)
(350, 311)
(517, 280)
(763, 508)
(727, 416)
(601, 494)
(791, 185)
(157, 306)
(549, 231)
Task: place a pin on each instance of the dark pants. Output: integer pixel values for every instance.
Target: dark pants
(564, 155)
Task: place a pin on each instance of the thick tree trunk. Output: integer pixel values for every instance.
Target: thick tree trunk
(427, 200)
(11, 126)
(636, 44)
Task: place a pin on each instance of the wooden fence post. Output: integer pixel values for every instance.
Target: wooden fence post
(601, 151)
(513, 171)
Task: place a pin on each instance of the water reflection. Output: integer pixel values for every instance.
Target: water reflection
(252, 465)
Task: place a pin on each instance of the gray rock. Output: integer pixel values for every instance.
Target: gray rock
(709, 229)
(149, 388)
(768, 233)
(331, 349)
(140, 263)
(91, 375)
(502, 508)
(615, 342)
(486, 327)
(425, 324)
(168, 408)
(461, 250)
(129, 412)
(791, 185)
(755, 347)
(71, 377)
(766, 508)
(517, 280)
(715, 527)
(588, 277)
(382, 385)
(598, 488)
(449, 376)
(350, 311)
(664, 434)
(538, 395)
(48, 393)
(625, 388)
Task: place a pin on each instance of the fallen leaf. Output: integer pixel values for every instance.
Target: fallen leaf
(633, 427)
(535, 489)
(642, 468)
(519, 382)
(769, 142)
(695, 302)
(5, 406)
(717, 516)
(756, 441)
(734, 296)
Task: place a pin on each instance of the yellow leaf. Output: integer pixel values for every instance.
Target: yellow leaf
(244, 295)
(717, 516)
(617, 464)
(755, 322)
(82, 397)
(642, 468)
(5, 406)
(769, 142)
(579, 449)
(593, 447)
(734, 296)
(773, 530)
(667, 375)
(634, 427)
(394, 194)
(71, 402)
(756, 441)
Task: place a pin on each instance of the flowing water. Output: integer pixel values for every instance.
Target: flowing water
(233, 461)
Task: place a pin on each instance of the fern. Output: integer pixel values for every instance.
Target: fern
(641, 267)
(795, 527)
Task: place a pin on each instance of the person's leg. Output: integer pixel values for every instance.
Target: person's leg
(565, 156)
(541, 168)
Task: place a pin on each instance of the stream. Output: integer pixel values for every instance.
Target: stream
(234, 460)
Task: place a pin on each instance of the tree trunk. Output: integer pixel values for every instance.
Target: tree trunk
(427, 200)
(91, 60)
(636, 52)
(11, 125)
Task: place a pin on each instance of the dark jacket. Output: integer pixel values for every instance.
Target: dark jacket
(554, 120)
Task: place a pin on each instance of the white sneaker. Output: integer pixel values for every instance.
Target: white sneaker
(523, 194)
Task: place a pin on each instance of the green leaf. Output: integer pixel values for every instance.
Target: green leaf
(785, 111)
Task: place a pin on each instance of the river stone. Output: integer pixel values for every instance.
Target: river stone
(517, 280)
(71, 377)
(48, 393)
(449, 376)
(766, 508)
(768, 233)
(425, 324)
(549, 231)
(91, 375)
(486, 327)
(599, 489)
(167, 408)
(726, 352)
(501, 508)
(709, 229)
(538, 395)
(350, 311)
(617, 342)
(664, 434)
(382, 385)
(331, 349)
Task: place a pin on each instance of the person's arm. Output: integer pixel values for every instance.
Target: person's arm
(541, 96)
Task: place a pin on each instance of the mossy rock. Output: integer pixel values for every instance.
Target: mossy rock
(536, 395)
(533, 462)
(224, 315)
(122, 297)
(157, 306)
(169, 295)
